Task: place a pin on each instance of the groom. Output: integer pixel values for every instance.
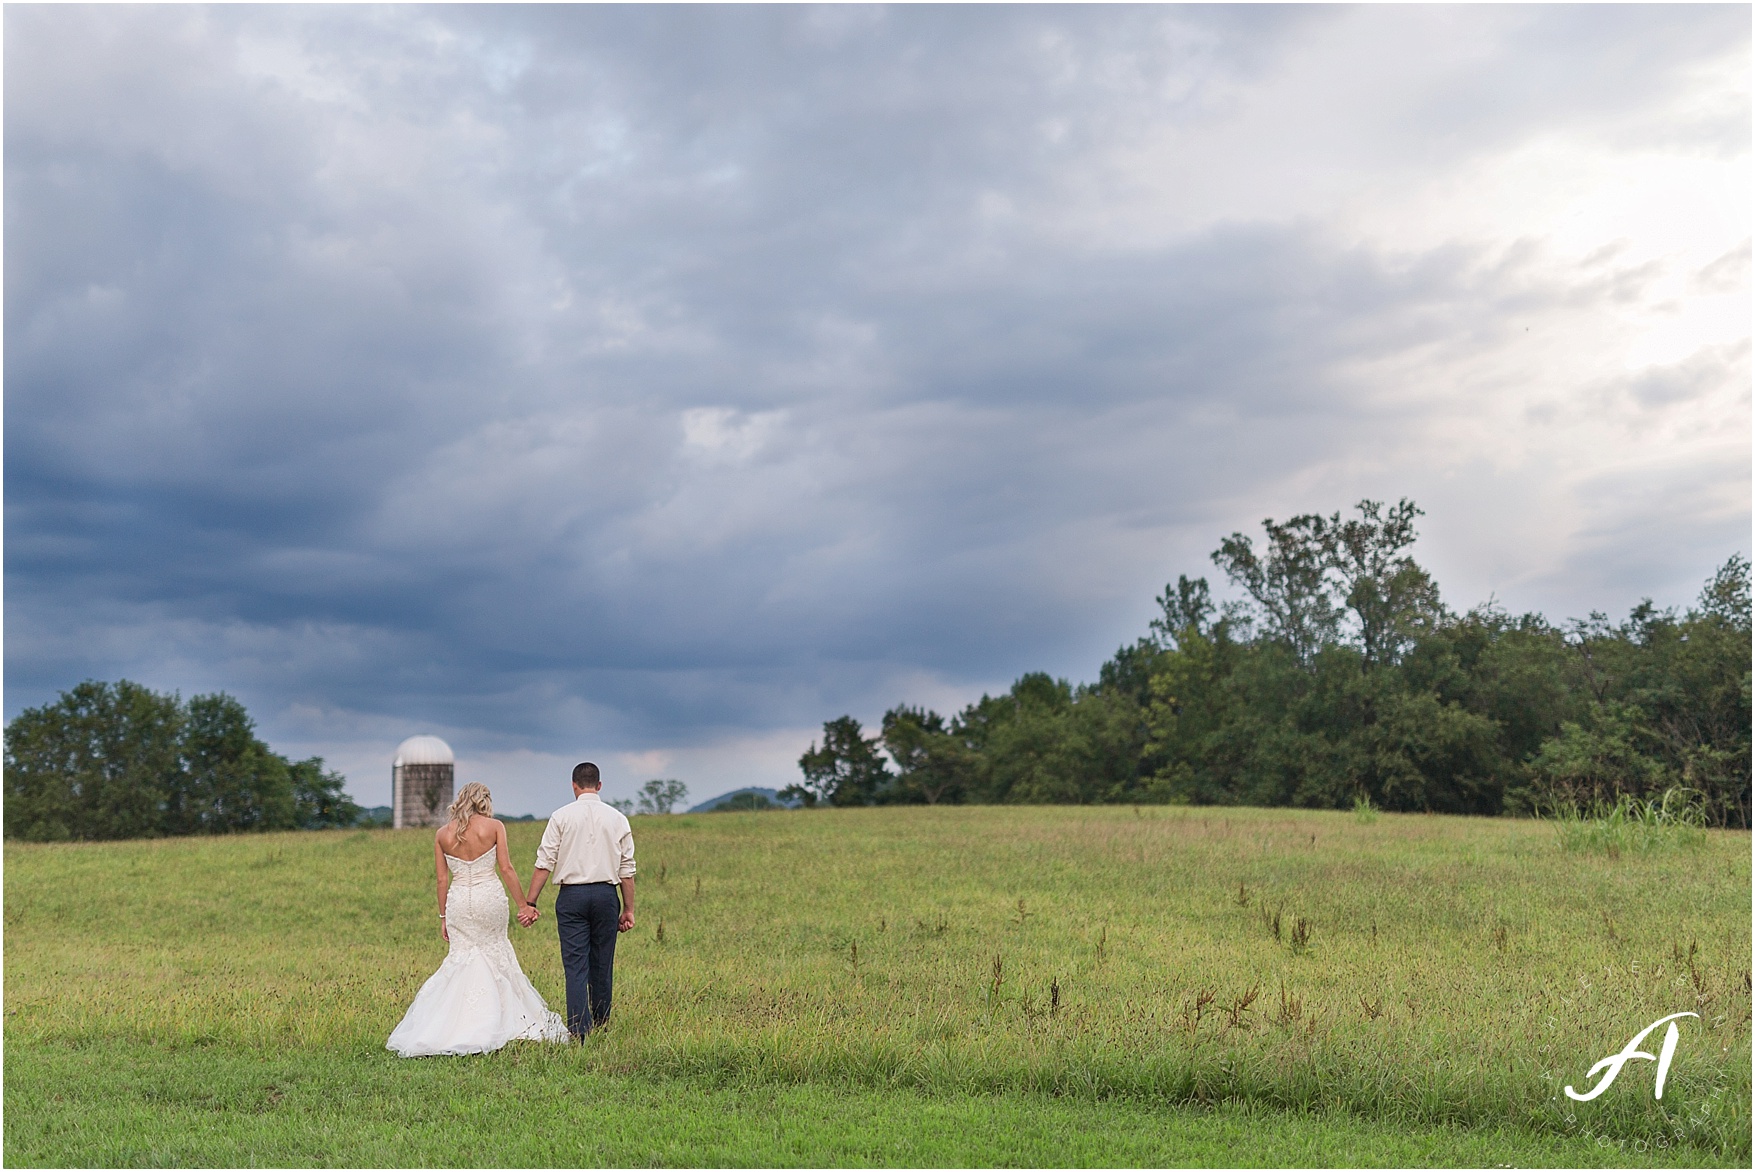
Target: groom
(589, 849)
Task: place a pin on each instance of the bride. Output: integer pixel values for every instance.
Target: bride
(479, 999)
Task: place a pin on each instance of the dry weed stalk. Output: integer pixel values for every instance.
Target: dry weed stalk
(1239, 1007)
(1300, 934)
(1192, 1014)
(1291, 1008)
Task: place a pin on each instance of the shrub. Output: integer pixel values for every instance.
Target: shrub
(1632, 824)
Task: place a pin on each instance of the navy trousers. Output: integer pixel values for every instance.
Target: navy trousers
(586, 915)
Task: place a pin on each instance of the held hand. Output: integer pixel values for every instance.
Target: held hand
(528, 915)
(626, 923)
(444, 932)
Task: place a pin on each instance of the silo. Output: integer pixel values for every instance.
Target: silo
(422, 782)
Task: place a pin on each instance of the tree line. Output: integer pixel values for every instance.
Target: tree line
(1340, 676)
(122, 761)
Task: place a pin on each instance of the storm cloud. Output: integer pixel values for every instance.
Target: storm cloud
(654, 383)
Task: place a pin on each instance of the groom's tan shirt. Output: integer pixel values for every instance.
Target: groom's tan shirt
(587, 842)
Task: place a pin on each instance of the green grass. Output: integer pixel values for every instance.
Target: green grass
(1632, 824)
(905, 986)
(112, 1104)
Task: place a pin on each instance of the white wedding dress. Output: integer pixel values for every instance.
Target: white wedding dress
(479, 999)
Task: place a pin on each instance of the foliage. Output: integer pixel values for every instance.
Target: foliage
(1632, 824)
(319, 798)
(1605, 757)
(121, 761)
(1288, 583)
(659, 796)
(1187, 606)
(1341, 677)
(1454, 972)
(1391, 598)
(229, 780)
(846, 771)
(932, 763)
(104, 761)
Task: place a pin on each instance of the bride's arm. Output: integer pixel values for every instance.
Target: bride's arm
(507, 875)
(444, 885)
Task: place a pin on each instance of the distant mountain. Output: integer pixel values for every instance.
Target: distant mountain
(750, 797)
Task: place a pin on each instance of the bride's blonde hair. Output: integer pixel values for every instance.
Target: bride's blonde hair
(472, 799)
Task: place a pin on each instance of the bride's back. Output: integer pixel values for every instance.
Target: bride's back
(480, 834)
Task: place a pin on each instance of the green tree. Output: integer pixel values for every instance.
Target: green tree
(846, 771)
(932, 764)
(1607, 754)
(1199, 724)
(320, 800)
(658, 796)
(1701, 710)
(1343, 677)
(1404, 747)
(1665, 703)
(232, 781)
(1047, 741)
(1516, 672)
(121, 761)
(1024, 739)
(1186, 607)
(1288, 582)
(1318, 570)
(1393, 600)
(100, 762)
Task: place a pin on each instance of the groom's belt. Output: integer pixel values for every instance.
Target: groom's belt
(593, 883)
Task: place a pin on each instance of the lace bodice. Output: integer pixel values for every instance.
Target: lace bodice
(476, 905)
(474, 870)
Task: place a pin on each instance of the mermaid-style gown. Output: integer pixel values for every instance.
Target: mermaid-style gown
(479, 999)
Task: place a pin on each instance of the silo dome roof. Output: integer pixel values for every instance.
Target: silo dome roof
(423, 751)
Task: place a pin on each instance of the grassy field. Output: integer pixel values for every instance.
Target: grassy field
(904, 986)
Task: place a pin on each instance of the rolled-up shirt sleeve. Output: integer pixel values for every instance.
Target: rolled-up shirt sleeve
(626, 846)
(550, 847)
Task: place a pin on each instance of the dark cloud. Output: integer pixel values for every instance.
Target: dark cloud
(661, 376)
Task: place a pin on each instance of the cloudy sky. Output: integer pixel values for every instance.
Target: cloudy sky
(653, 384)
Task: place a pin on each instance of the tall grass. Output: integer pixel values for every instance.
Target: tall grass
(1413, 968)
(1630, 824)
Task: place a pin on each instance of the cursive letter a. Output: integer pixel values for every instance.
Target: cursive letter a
(1614, 1062)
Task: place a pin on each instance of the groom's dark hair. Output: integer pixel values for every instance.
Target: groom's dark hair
(585, 776)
